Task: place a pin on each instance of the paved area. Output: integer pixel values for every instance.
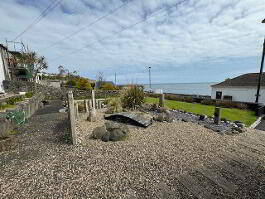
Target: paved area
(261, 125)
(46, 165)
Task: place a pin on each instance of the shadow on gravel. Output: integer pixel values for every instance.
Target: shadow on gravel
(62, 132)
(19, 158)
(52, 107)
(230, 178)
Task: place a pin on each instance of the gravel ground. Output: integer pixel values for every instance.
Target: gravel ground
(146, 165)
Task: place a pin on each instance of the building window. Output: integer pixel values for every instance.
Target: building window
(218, 95)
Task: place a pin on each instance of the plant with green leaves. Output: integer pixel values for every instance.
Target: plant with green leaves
(114, 105)
(133, 97)
(29, 94)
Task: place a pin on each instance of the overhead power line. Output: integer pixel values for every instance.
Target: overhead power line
(124, 29)
(44, 13)
(89, 25)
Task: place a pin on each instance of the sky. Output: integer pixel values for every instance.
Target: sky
(183, 41)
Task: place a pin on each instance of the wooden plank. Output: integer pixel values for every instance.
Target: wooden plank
(229, 168)
(216, 176)
(193, 185)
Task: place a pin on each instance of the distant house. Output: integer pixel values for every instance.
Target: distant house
(242, 88)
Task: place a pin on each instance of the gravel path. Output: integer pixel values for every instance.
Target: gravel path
(147, 165)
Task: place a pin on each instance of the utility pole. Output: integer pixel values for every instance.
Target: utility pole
(115, 79)
(149, 77)
(261, 69)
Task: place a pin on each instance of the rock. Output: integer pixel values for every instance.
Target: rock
(159, 118)
(202, 117)
(167, 117)
(117, 135)
(99, 132)
(184, 120)
(110, 126)
(154, 107)
(238, 129)
(163, 110)
(241, 125)
(105, 138)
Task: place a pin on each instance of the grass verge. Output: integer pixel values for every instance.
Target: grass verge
(232, 114)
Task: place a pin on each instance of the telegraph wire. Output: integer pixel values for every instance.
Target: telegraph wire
(122, 30)
(89, 25)
(43, 14)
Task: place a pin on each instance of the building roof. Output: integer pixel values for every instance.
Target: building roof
(2, 46)
(249, 79)
(15, 53)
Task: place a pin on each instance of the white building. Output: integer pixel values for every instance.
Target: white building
(4, 66)
(242, 88)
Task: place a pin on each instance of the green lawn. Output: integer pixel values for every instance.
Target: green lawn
(232, 114)
(7, 106)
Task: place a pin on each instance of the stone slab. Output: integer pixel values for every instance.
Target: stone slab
(136, 117)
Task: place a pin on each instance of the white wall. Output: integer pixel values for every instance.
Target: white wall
(243, 94)
(2, 73)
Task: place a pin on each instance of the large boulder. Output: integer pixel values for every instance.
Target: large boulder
(117, 135)
(111, 131)
(110, 126)
(99, 132)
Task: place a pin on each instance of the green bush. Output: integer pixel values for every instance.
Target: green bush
(71, 83)
(13, 100)
(29, 94)
(133, 97)
(108, 86)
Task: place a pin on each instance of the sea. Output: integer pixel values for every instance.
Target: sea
(183, 88)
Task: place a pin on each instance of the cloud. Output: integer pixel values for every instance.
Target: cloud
(176, 38)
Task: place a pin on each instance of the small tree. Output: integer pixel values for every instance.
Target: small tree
(33, 62)
(108, 86)
(61, 70)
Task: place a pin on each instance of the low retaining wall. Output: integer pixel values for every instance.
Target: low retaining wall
(12, 118)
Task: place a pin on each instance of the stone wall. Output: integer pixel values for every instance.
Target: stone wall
(23, 86)
(23, 111)
(82, 94)
(55, 93)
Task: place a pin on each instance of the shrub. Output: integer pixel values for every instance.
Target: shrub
(133, 97)
(84, 84)
(71, 83)
(108, 86)
(208, 102)
(13, 100)
(114, 105)
(29, 94)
